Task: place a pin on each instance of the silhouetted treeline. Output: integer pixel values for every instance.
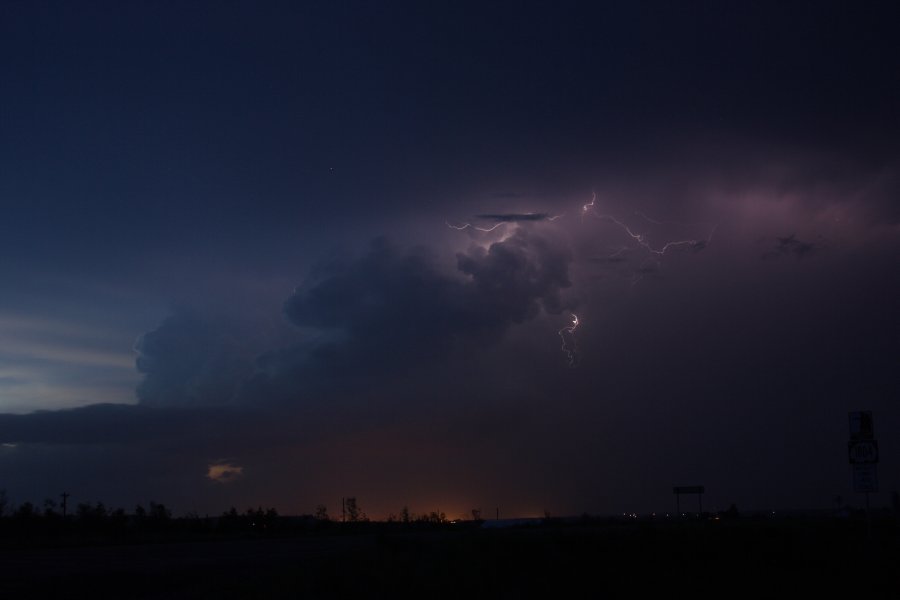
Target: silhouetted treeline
(97, 523)
(86, 519)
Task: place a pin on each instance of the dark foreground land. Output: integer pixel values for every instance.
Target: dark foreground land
(743, 558)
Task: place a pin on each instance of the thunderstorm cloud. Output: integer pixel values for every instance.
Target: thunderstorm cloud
(402, 301)
(189, 271)
(389, 309)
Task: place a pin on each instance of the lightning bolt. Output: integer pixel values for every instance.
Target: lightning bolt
(641, 238)
(655, 254)
(569, 343)
(589, 205)
(475, 227)
(567, 333)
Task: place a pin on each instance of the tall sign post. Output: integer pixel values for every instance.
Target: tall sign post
(862, 450)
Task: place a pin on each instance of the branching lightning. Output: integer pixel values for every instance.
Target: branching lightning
(569, 343)
(567, 333)
(641, 238)
(475, 227)
(505, 219)
(653, 257)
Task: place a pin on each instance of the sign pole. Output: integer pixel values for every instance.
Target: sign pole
(863, 454)
(868, 519)
(678, 490)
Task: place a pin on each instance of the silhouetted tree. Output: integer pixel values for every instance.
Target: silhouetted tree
(353, 512)
(230, 520)
(322, 513)
(118, 519)
(98, 511)
(25, 512)
(155, 518)
(265, 519)
(260, 518)
(4, 502)
(159, 514)
(476, 514)
(433, 517)
(83, 511)
(404, 514)
(731, 513)
(253, 519)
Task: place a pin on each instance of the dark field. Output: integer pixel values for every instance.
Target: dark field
(762, 558)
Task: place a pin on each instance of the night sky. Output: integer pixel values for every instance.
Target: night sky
(262, 253)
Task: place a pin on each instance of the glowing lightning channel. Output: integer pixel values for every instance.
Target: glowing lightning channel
(475, 227)
(640, 238)
(569, 343)
(567, 333)
(589, 205)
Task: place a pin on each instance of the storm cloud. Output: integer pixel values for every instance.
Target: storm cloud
(390, 309)
(394, 309)
(190, 281)
(191, 360)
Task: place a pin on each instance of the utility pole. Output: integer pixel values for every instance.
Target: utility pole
(65, 498)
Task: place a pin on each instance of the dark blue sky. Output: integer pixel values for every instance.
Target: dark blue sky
(231, 220)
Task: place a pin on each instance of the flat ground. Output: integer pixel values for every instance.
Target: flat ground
(784, 558)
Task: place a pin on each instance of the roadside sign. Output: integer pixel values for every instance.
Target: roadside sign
(688, 489)
(865, 478)
(863, 452)
(861, 425)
